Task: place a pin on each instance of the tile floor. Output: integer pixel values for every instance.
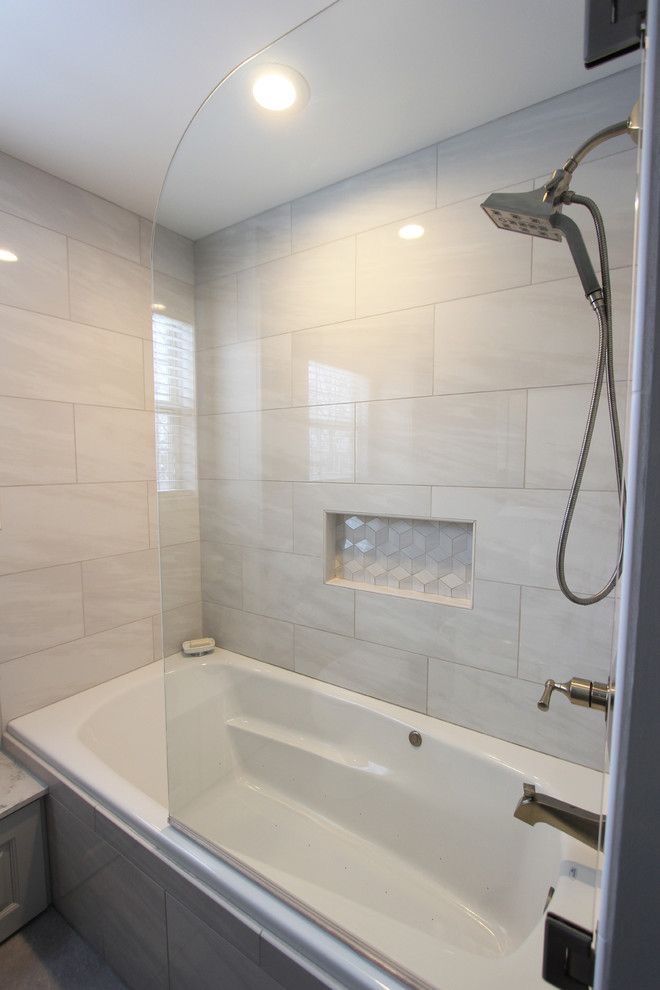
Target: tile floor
(48, 955)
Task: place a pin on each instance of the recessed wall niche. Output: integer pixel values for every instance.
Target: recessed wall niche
(428, 559)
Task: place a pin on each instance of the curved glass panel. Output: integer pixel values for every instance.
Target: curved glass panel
(370, 402)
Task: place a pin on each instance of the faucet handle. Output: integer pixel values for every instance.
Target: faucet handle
(579, 691)
(544, 701)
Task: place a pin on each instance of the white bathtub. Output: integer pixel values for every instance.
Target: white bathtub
(412, 851)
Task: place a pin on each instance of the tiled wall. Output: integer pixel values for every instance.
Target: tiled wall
(79, 584)
(342, 368)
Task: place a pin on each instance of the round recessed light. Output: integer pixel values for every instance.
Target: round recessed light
(279, 87)
(6, 255)
(158, 307)
(411, 231)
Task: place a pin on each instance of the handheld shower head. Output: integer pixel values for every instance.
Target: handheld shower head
(524, 213)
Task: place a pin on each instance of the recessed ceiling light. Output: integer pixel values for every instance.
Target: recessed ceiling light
(411, 231)
(158, 307)
(6, 255)
(279, 87)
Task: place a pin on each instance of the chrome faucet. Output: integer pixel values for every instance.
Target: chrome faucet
(576, 822)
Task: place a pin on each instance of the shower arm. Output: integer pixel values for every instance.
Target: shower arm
(560, 180)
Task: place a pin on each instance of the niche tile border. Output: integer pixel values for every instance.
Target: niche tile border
(425, 559)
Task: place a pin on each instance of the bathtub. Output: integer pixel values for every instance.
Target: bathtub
(383, 862)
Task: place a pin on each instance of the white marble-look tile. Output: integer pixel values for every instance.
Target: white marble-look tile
(222, 574)
(146, 236)
(36, 442)
(460, 254)
(59, 524)
(218, 446)
(535, 335)
(42, 678)
(505, 707)
(39, 609)
(556, 418)
(247, 513)
(307, 289)
(108, 291)
(45, 358)
(17, 787)
(612, 183)
(477, 438)
(535, 140)
(252, 374)
(28, 192)
(173, 254)
(257, 636)
(290, 587)
(216, 312)
(120, 589)
(517, 532)
(380, 357)
(38, 279)
(177, 296)
(180, 575)
(378, 671)
(114, 444)
(178, 517)
(309, 443)
(310, 501)
(370, 199)
(243, 245)
(180, 624)
(484, 636)
(562, 640)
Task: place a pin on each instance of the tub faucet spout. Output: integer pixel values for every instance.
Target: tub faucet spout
(576, 822)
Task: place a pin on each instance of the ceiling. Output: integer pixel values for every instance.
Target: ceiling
(100, 93)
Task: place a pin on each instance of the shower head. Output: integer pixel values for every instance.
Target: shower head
(528, 213)
(524, 213)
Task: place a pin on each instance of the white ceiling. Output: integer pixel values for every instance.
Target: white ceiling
(99, 93)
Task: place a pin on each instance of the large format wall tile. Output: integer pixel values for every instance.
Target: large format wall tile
(38, 280)
(310, 501)
(173, 255)
(533, 141)
(218, 446)
(562, 640)
(36, 442)
(120, 589)
(506, 707)
(57, 524)
(249, 513)
(484, 636)
(114, 444)
(556, 418)
(178, 517)
(180, 575)
(290, 587)
(460, 254)
(177, 296)
(536, 335)
(28, 192)
(388, 192)
(179, 624)
(42, 678)
(216, 312)
(107, 291)
(381, 357)
(311, 443)
(244, 245)
(612, 183)
(39, 609)
(250, 634)
(253, 374)
(303, 290)
(437, 440)
(517, 531)
(222, 574)
(391, 675)
(45, 358)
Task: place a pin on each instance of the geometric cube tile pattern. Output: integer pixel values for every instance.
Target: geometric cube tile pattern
(423, 556)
